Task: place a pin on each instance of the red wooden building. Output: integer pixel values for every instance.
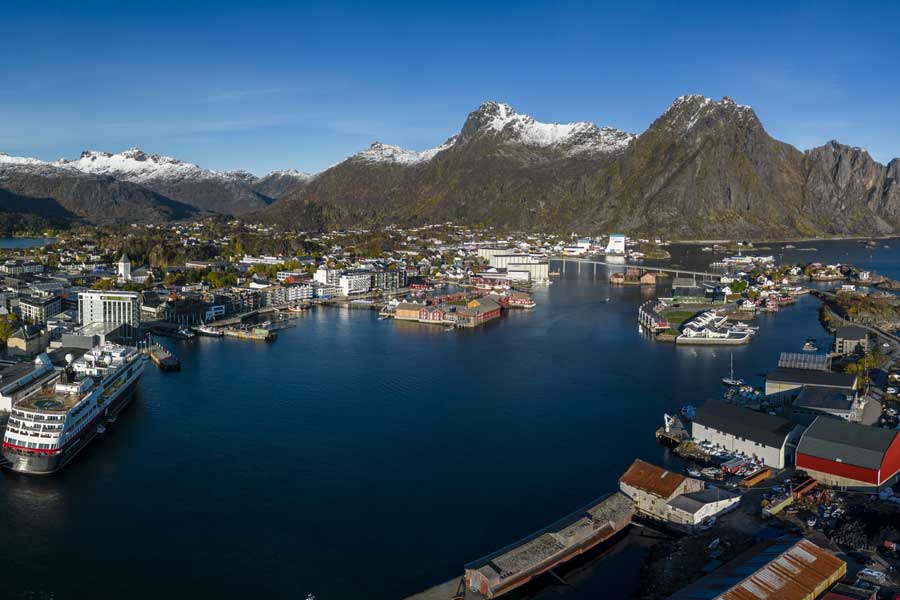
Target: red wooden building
(849, 455)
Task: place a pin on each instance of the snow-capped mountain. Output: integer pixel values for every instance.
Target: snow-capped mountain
(386, 153)
(503, 124)
(277, 183)
(228, 192)
(704, 167)
(502, 121)
(60, 195)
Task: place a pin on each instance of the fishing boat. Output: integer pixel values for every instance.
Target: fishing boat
(208, 331)
(731, 381)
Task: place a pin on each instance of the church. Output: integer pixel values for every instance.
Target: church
(127, 275)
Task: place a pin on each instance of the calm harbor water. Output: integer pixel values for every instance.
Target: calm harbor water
(355, 458)
(14, 242)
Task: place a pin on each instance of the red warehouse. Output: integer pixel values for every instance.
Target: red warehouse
(849, 455)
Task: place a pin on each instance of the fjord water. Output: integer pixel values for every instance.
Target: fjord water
(355, 458)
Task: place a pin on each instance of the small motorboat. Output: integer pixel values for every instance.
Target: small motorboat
(694, 473)
(810, 345)
(101, 429)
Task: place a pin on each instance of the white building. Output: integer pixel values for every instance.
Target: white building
(616, 244)
(124, 269)
(111, 307)
(355, 283)
(262, 260)
(754, 434)
(325, 275)
(679, 501)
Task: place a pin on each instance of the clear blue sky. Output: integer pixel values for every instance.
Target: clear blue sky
(261, 86)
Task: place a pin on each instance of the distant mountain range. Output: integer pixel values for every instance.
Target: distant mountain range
(703, 169)
(133, 186)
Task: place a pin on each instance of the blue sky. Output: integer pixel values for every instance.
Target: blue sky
(260, 85)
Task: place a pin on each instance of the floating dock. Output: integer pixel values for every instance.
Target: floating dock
(574, 534)
(162, 358)
(255, 333)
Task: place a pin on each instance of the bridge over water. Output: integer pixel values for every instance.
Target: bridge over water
(593, 262)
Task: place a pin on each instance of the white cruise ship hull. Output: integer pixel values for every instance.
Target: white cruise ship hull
(43, 463)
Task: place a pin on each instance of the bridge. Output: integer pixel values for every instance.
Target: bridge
(593, 262)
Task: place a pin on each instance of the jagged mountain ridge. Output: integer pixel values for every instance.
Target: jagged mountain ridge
(217, 191)
(704, 168)
(66, 195)
(164, 181)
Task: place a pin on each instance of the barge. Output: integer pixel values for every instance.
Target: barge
(576, 533)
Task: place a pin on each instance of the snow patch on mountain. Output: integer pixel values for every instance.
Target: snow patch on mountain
(6, 159)
(580, 137)
(137, 166)
(386, 153)
(501, 120)
(290, 173)
(686, 111)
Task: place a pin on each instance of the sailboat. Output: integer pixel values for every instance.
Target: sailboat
(731, 381)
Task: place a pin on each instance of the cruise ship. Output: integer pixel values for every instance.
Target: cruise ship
(50, 423)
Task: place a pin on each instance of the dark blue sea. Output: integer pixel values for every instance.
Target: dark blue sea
(362, 459)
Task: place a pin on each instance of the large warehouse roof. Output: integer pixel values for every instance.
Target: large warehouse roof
(849, 443)
(743, 422)
(812, 377)
(786, 569)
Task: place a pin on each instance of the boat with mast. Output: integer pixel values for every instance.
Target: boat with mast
(731, 381)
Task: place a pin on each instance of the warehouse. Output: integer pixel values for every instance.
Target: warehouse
(758, 435)
(787, 569)
(814, 402)
(785, 379)
(849, 455)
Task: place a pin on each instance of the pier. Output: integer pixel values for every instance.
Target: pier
(162, 358)
(250, 333)
(593, 262)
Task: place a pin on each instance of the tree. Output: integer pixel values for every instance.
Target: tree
(8, 326)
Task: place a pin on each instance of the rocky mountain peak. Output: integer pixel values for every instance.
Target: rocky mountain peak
(687, 112)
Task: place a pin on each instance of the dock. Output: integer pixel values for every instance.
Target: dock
(251, 333)
(515, 565)
(162, 358)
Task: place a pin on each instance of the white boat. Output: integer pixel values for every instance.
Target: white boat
(810, 345)
(209, 331)
(186, 333)
(731, 381)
